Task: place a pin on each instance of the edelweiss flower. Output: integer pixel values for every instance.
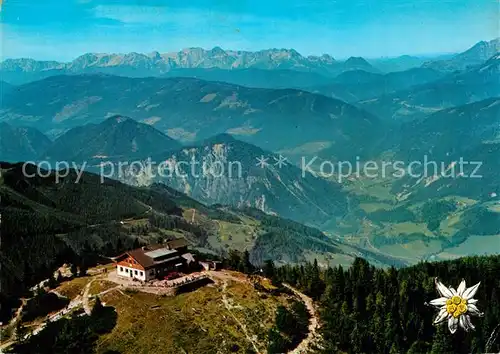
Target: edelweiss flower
(456, 306)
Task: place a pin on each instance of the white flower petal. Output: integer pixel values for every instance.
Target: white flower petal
(453, 291)
(470, 292)
(471, 301)
(439, 302)
(442, 315)
(442, 290)
(467, 318)
(452, 324)
(461, 288)
(473, 310)
(466, 323)
(462, 323)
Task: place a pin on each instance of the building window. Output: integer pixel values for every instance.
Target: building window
(121, 269)
(135, 272)
(126, 270)
(142, 273)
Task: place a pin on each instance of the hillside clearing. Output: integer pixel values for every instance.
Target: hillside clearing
(213, 319)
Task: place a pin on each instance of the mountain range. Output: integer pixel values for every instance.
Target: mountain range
(189, 109)
(474, 56)
(232, 172)
(21, 143)
(451, 131)
(357, 85)
(400, 63)
(202, 110)
(114, 139)
(257, 78)
(226, 170)
(475, 84)
(4, 88)
(469, 133)
(18, 71)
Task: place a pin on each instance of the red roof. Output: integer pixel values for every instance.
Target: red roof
(146, 261)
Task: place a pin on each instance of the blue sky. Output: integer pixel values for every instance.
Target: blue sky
(64, 29)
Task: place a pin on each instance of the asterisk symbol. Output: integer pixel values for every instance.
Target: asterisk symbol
(262, 161)
(280, 161)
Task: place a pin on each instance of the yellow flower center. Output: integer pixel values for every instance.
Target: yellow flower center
(451, 309)
(456, 306)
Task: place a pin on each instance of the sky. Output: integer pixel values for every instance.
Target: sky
(62, 30)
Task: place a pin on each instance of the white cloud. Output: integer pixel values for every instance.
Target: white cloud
(134, 14)
(159, 15)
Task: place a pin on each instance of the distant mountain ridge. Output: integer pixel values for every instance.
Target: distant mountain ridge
(474, 56)
(475, 84)
(356, 85)
(116, 137)
(23, 70)
(470, 133)
(452, 131)
(256, 78)
(189, 110)
(21, 143)
(5, 87)
(400, 63)
(229, 172)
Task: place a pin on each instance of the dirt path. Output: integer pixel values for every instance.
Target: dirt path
(229, 307)
(313, 335)
(77, 301)
(86, 305)
(17, 316)
(7, 342)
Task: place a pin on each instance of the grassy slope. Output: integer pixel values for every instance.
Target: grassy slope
(229, 315)
(195, 322)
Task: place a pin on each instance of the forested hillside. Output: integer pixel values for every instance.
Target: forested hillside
(48, 221)
(370, 310)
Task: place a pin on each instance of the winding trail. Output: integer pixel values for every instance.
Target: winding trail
(229, 307)
(313, 335)
(7, 342)
(86, 305)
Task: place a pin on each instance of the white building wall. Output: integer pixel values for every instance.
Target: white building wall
(132, 273)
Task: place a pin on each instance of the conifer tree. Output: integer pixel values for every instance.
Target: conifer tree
(441, 343)
(98, 307)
